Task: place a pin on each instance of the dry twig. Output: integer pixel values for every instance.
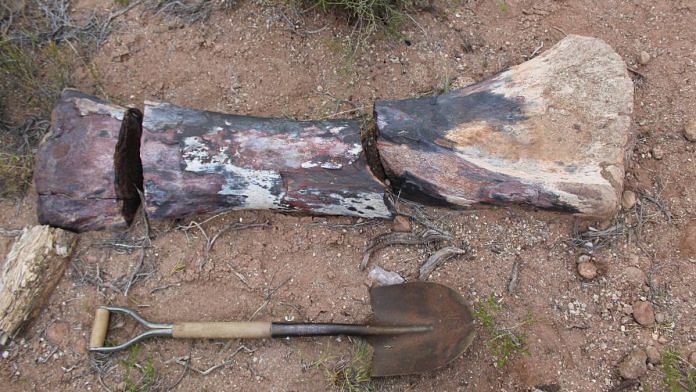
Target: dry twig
(437, 259)
(512, 283)
(382, 241)
(10, 233)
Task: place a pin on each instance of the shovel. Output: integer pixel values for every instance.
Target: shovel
(415, 327)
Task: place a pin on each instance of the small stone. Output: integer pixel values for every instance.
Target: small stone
(584, 258)
(654, 355)
(635, 275)
(5, 354)
(692, 358)
(660, 318)
(657, 152)
(690, 131)
(644, 58)
(401, 224)
(383, 277)
(643, 313)
(633, 366)
(587, 270)
(628, 199)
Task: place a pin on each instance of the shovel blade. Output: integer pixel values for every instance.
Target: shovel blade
(419, 303)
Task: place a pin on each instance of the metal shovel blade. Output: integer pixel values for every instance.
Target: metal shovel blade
(418, 303)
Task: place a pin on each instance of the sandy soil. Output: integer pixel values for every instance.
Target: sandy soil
(270, 61)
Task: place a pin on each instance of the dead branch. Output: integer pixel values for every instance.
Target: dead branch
(382, 241)
(512, 283)
(267, 298)
(233, 227)
(184, 361)
(10, 233)
(437, 259)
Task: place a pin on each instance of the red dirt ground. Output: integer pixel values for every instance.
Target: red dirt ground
(251, 61)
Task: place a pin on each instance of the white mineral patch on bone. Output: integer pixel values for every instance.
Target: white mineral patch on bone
(360, 203)
(87, 106)
(354, 152)
(331, 165)
(309, 165)
(259, 183)
(336, 130)
(218, 129)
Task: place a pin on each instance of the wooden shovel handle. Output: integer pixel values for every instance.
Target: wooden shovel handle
(99, 328)
(223, 330)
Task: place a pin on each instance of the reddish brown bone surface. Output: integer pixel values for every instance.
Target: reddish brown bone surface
(198, 162)
(74, 172)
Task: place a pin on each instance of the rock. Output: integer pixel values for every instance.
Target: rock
(58, 333)
(657, 152)
(633, 366)
(692, 358)
(635, 276)
(644, 58)
(660, 318)
(628, 199)
(653, 354)
(690, 131)
(643, 313)
(383, 277)
(401, 224)
(534, 134)
(584, 258)
(587, 270)
(687, 246)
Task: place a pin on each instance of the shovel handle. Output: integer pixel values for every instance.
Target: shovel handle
(99, 328)
(223, 330)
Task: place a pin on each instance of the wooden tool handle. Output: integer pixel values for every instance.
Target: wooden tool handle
(99, 328)
(223, 330)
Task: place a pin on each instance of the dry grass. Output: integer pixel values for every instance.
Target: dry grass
(40, 47)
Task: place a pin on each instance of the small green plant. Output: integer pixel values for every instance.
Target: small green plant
(368, 16)
(679, 374)
(147, 372)
(503, 343)
(504, 7)
(352, 375)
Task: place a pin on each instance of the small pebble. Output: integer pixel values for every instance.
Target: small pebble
(401, 224)
(584, 258)
(633, 366)
(643, 313)
(657, 152)
(690, 131)
(5, 354)
(628, 199)
(644, 58)
(660, 318)
(587, 270)
(635, 275)
(654, 355)
(382, 277)
(692, 358)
